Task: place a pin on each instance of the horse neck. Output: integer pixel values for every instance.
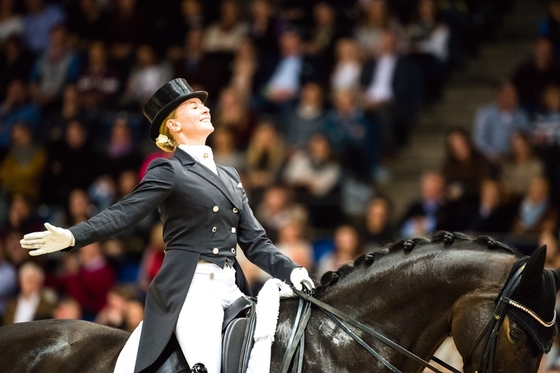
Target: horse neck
(410, 298)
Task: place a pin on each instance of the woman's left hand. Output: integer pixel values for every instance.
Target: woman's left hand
(300, 278)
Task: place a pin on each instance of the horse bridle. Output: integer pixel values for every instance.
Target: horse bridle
(293, 356)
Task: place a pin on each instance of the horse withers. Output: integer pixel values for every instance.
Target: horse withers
(414, 292)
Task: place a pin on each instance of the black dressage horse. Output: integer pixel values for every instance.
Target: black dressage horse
(497, 304)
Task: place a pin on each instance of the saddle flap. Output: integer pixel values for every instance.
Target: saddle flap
(237, 340)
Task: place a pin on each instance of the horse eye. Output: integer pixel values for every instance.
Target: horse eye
(516, 334)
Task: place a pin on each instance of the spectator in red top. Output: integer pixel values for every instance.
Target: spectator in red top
(87, 278)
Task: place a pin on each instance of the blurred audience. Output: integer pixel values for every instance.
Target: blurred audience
(34, 301)
(496, 122)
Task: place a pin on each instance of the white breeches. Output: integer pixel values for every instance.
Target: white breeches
(199, 326)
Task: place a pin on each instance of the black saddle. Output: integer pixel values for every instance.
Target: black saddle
(237, 341)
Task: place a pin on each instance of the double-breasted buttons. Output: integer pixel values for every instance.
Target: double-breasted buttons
(233, 250)
(214, 229)
(215, 251)
(215, 209)
(233, 230)
(235, 210)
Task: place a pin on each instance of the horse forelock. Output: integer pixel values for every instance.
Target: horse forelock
(439, 240)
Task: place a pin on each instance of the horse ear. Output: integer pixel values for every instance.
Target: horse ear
(532, 274)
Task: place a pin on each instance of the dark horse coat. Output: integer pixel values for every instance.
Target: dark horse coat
(204, 216)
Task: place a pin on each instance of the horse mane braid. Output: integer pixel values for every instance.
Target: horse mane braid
(407, 245)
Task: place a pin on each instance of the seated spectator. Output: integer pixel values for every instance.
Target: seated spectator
(322, 33)
(243, 67)
(232, 112)
(16, 62)
(347, 67)
(147, 75)
(15, 254)
(17, 107)
(22, 168)
(520, 167)
(225, 151)
(279, 80)
(80, 207)
(67, 308)
(531, 77)
(496, 122)
(114, 312)
(492, 214)
(375, 17)
(354, 137)
(546, 137)
(22, 216)
(299, 121)
(55, 122)
(121, 152)
(204, 71)
(72, 163)
(33, 301)
(86, 277)
(11, 22)
(550, 239)
(392, 89)
(56, 67)
(265, 25)
(98, 83)
(41, 17)
(431, 212)
(265, 155)
(225, 35)
(347, 247)
(315, 175)
(378, 226)
(428, 44)
(293, 243)
(536, 213)
(8, 280)
(278, 208)
(172, 28)
(464, 167)
(86, 21)
(129, 27)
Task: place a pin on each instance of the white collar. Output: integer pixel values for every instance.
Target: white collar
(201, 153)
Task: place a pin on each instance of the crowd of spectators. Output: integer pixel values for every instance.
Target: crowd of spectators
(311, 101)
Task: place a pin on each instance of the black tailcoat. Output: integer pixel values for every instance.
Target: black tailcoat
(204, 215)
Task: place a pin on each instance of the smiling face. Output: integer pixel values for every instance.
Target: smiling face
(191, 123)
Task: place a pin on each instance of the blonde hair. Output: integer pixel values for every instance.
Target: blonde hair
(165, 141)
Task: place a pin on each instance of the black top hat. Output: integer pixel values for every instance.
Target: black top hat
(166, 99)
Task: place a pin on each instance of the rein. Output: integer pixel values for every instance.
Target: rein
(293, 356)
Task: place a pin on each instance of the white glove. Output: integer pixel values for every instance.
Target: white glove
(53, 239)
(299, 278)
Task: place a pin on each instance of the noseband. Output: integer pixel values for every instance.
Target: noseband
(293, 358)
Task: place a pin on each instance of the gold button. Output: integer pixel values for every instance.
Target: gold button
(205, 155)
(233, 250)
(215, 209)
(214, 229)
(215, 251)
(233, 229)
(235, 210)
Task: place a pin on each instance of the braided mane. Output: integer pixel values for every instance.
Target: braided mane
(407, 245)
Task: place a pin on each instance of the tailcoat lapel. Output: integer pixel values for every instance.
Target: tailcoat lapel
(221, 181)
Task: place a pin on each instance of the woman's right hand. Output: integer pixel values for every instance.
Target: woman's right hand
(51, 240)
